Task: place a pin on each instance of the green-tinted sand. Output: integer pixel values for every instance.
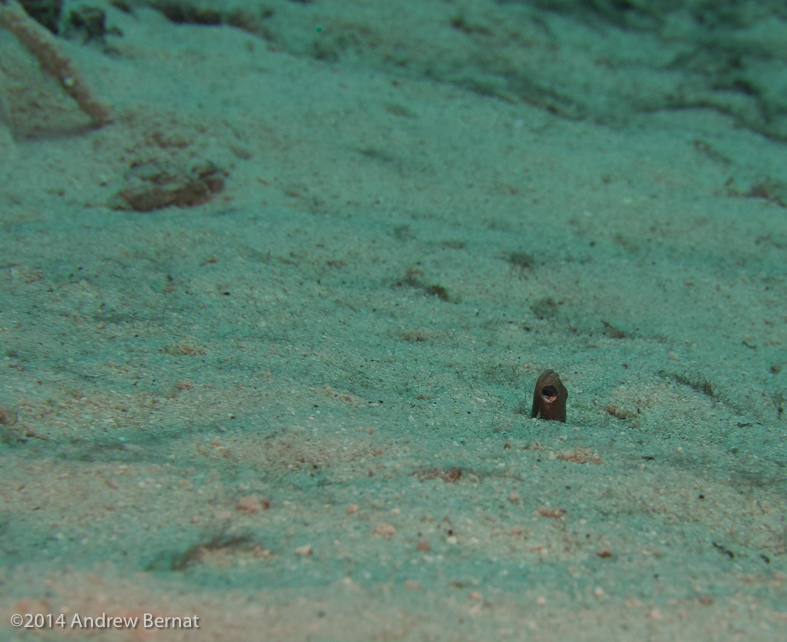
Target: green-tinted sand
(301, 410)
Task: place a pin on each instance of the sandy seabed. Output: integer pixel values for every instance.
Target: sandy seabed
(269, 338)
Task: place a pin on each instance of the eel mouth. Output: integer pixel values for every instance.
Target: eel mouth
(549, 393)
